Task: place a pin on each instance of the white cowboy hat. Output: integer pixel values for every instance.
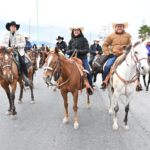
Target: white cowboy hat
(77, 27)
(26, 37)
(97, 40)
(120, 22)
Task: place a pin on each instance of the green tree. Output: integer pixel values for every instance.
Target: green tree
(144, 32)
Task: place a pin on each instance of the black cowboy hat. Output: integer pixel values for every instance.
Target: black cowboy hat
(12, 23)
(59, 37)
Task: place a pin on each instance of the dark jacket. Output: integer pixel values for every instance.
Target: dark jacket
(62, 46)
(80, 44)
(42, 49)
(28, 46)
(93, 50)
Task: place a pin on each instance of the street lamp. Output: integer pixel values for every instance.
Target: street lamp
(37, 27)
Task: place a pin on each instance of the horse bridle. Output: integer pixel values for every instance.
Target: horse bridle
(6, 66)
(58, 66)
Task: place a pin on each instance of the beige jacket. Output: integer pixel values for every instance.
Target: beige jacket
(20, 42)
(116, 41)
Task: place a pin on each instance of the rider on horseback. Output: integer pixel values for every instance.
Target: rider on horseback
(79, 42)
(117, 41)
(16, 39)
(95, 49)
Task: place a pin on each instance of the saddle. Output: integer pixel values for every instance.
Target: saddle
(83, 73)
(15, 57)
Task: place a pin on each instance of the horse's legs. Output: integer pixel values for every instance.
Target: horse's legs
(12, 98)
(144, 80)
(94, 82)
(88, 101)
(64, 95)
(110, 93)
(21, 91)
(7, 90)
(75, 108)
(148, 83)
(116, 109)
(31, 88)
(126, 127)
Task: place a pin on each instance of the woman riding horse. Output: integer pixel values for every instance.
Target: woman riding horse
(95, 49)
(16, 39)
(79, 42)
(117, 41)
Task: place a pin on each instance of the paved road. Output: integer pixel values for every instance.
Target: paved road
(39, 126)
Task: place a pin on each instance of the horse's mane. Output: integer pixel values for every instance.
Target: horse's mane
(128, 49)
(5, 50)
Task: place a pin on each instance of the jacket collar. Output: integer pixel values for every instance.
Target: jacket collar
(120, 33)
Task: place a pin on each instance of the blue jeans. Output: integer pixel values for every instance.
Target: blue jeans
(108, 66)
(89, 76)
(91, 59)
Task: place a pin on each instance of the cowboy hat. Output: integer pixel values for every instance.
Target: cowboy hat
(59, 37)
(148, 40)
(26, 37)
(12, 23)
(120, 22)
(96, 40)
(77, 27)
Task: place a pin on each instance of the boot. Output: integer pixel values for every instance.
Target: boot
(27, 81)
(103, 86)
(105, 82)
(140, 88)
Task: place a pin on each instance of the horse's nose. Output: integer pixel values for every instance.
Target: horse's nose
(46, 78)
(142, 67)
(5, 76)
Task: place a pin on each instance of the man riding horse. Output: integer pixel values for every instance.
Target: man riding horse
(16, 39)
(117, 41)
(95, 49)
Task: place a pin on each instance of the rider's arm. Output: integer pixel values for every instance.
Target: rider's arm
(91, 51)
(100, 50)
(69, 48)
(4, 42)
(22, 42)
(86, 47)
(105, 45)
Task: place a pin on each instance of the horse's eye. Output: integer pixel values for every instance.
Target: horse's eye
(136, 52)
(55, 62)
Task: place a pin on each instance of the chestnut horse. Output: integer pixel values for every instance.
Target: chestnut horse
(9, 76)
(69, 80)
(43, 56)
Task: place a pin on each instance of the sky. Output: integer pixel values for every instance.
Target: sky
(55, 17)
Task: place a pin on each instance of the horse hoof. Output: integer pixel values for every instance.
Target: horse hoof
(126, 128)
(115, 127)
(14, 116)
(32, 102)
(65, 121)
(76, 126)
(94, 87)
(88, 106)
(110, 112)
(8, 113)
(54, 89)
(146, 91)
(19, 101)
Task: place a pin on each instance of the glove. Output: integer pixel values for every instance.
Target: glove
(110, 56)
(68, 52)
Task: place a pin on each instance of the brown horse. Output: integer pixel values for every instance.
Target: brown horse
(9, 76)
(43, 56)
(69, 80)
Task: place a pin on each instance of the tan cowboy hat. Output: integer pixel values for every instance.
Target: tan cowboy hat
(77, 27)
(120, 22)
(96, 40)
(26, 37)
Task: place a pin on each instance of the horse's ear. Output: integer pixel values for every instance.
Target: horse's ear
(56, 50)
(47, 49)
(11, 49)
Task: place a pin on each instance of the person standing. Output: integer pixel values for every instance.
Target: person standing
(95, 49)
(61, 44)
(79, 42)
(148, 47)
(28, 44)
(14, 38)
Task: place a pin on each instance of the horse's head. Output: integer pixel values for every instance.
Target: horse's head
(52, 65)
(6, 62)
(141, 55)
(33, 56)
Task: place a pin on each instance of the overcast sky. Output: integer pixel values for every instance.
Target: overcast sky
(62, 14)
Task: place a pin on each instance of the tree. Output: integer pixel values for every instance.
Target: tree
(144, 32)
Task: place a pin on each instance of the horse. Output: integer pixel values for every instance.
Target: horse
(97, 66)
(123, 79)
(144, 78)
(43, 56)
(9, 77)
(69, 80)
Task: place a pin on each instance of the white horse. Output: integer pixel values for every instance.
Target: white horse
(127, 70)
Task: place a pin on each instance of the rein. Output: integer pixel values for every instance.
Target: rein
(136, 62)
(61, 68)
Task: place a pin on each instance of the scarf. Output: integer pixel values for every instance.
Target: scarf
(12, 39)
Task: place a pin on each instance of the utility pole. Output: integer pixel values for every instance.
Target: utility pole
(37, 27)
(90, 38)
(29, 29)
